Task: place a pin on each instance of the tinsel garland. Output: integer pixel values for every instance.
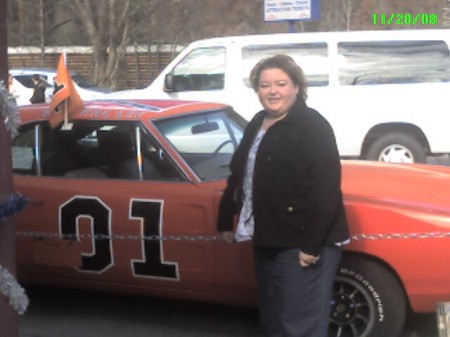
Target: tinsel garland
(8, 111)
(9, 286)
(13, 205)
(13, 291)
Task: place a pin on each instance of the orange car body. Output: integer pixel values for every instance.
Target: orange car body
(159, 238)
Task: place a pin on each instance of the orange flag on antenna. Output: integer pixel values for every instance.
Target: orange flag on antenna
(65, 101)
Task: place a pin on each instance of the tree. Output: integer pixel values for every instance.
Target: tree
(181, 20)
(110, 26)
(348, 8)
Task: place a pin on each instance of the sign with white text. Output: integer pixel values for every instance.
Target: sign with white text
(283, 10)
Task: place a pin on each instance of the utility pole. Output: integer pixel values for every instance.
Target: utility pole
(9, 319)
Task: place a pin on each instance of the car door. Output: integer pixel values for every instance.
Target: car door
(100, 217)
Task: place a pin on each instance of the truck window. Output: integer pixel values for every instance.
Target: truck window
(201, 70)
(390, 62)
(312, 58)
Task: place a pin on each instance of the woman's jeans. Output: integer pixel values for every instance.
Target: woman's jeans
(295, 301)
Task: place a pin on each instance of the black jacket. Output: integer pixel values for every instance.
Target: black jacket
(297, 199)
(38, 92)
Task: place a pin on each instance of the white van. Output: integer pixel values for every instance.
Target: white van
(386, 93)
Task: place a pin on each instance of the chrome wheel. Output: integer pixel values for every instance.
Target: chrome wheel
(396, 153)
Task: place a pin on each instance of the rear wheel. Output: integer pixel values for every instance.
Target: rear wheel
(397, 148)
(368, 301)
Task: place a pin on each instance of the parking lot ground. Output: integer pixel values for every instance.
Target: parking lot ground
(74, 313)
(439, 160)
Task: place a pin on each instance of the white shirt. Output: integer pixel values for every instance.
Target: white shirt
(246, 224)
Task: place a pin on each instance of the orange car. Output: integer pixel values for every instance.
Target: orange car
(124, 198)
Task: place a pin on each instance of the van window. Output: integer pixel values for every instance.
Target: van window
(312, 58)
(202, 69)
(388, 62)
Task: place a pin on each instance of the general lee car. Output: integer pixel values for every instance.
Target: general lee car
(124, 198)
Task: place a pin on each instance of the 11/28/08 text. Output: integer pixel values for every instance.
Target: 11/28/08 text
(405, 19)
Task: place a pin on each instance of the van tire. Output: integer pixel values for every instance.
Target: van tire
(397, 148)
(368, 300)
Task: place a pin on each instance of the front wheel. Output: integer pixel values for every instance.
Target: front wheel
(397, 148)
(368, 301)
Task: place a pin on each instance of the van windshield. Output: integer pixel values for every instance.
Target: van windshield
(202, 70)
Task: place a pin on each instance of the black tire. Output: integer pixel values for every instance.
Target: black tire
(368, 301)
(397, 148)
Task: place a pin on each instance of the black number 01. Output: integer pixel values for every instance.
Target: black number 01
(149, 212)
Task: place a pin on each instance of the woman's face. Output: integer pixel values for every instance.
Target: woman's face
(276, 91)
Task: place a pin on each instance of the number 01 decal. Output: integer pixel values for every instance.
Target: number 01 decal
(149, 212)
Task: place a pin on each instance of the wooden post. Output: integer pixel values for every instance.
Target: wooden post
(9, 319)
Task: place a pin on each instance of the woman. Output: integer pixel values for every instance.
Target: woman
(285, 185)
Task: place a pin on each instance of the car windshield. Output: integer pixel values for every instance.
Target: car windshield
(206, 141)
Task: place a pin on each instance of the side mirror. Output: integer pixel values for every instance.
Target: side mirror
(168, 82)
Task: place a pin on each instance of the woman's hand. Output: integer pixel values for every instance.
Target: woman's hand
(228, 236)
(306, 260)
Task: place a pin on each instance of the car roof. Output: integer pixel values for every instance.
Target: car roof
(123, 109)
(35, 70)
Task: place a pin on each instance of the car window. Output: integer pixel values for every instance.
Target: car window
(205, 141)
(101, 150)
(23, 152)
(81, 81)
(27, 81)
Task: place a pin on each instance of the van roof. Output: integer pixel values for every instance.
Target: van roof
(382, 35)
